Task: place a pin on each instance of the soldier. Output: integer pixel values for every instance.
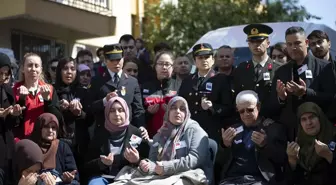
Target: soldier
(257, 74)
(114, 82)
(209, 96)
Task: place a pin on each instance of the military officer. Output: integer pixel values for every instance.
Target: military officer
(257, 73)
(208, 95)
(114, 82)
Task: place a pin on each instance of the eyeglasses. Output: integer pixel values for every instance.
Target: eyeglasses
(248, 110)
(167, 65)
(130, 70)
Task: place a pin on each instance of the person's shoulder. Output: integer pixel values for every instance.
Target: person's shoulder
(194, 126)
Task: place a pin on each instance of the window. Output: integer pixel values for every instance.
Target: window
(47, 48)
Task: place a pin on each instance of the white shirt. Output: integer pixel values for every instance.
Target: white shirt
(113, 73)
(262, 63)
(112, 77)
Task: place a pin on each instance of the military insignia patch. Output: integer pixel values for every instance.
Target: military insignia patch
(123, 91)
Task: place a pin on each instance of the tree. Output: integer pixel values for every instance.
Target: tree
(183, 24)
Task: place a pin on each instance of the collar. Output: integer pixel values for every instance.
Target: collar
(199, 75)
(112, 73)
(262, 63)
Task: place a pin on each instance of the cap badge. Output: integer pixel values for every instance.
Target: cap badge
(254, 31)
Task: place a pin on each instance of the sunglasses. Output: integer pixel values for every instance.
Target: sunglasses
(130, 70)
(248, 110)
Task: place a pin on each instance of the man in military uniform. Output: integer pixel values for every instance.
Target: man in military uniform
(209, 96)
(114, 82)
(257, 74)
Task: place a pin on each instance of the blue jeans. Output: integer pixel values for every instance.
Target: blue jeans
(98, 181)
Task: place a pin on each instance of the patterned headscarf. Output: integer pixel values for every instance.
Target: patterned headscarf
(170, 133)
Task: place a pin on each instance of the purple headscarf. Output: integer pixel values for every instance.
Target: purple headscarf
(111, 127)
(83, 67)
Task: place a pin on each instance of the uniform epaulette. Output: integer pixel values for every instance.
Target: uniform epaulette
(267, 122)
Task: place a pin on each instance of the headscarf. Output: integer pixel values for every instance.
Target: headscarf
(83, 67)
(111, 127)
(307, 156)
(170, 133)
(27, 153)
(49, 148)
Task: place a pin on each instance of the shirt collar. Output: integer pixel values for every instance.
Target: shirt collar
(262, 63)
(112, 73)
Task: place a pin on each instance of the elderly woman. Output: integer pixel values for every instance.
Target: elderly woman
(33, 95)
(57, 156)
(116, 145)
(312, 158)
(27, 166)
(256, 146)
(180, 145)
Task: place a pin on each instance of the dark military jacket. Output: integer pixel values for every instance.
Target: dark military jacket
(245, 79)
(127, 88)
(216, 89)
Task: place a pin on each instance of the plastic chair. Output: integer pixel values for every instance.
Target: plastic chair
(213, 147)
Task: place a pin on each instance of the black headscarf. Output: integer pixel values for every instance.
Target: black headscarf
(27, 153)
(62, 88)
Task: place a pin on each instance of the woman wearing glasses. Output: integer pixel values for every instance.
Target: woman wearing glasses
(157, 93)
(256, 146)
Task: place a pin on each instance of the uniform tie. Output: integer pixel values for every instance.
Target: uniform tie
(200, 81)
(257, 70)
(116, 78)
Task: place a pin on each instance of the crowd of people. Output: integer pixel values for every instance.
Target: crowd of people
(129, 120)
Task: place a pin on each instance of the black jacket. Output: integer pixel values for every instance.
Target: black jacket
(271, 158)
(214, 88)
(100, 145)
(127, 88)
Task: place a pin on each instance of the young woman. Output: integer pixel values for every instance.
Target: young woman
(312, 158)
(279, 53)
(156, 94)
(116, 145)
(57, 156)
(131, 66)
(73, 105)
(33, 95)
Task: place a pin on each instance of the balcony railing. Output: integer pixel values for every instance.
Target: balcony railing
(96, 6)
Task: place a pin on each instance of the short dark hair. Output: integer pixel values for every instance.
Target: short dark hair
(140, 40)
(98, 51)
(318, 34)
(126, 38)
(131, 59)
(281, 46)
(294, 30)
(162, 46)
(84, 52)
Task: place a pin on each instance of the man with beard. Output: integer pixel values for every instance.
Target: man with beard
(208, 96)
(182, 67)
(257, 74)
(319, 44)
(304, 78)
